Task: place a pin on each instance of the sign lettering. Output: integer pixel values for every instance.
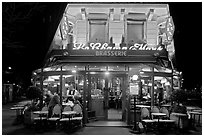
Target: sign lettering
(106, 46)
(110, 53)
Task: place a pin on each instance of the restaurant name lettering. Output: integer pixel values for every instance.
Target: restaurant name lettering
(106, 46)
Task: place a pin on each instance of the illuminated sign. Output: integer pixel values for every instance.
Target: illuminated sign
(112, 50)
(106, 46)
(170, 28)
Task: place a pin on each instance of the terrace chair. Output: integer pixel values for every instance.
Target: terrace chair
(165, 111)
(154, 109)
(77, 119)
(45, 108)
(42, 120)
(166, 122)
(56, 115)
(64, 118)
(146, 121)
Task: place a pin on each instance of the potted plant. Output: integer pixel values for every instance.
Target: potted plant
(179, 98)
(33, 93)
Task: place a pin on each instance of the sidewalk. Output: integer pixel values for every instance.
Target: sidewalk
(8, 118)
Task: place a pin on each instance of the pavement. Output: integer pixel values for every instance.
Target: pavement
(10, 127)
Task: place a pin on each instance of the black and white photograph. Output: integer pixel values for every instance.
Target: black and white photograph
(101, 68)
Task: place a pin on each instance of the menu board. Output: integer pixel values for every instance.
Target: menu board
(134, 89)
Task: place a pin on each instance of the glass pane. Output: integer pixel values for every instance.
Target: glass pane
(98, 32)
(72, 88)
(73, 67)
(97, 68)
(97, 96)
(116, 68)
(134, 32)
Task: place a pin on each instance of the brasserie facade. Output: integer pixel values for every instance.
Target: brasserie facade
(112, 52)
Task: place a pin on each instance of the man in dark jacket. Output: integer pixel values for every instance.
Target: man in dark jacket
(54, 100)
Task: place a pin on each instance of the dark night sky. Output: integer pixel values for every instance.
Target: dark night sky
(38, 33)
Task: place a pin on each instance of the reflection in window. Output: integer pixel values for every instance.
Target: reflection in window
(135, 32)
(97, 31)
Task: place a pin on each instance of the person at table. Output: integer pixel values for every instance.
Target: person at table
(54, 100)
(47, 99)
(71, 91)
(70, 101)
(76, 100)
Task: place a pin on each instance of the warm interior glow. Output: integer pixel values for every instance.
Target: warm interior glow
(135, 77)
(107, 73)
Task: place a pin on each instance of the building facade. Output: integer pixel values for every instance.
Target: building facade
(111, 52)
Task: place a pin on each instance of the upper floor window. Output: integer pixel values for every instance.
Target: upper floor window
(98, 27)
(135, 27)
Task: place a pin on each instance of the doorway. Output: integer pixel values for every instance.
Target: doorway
(107, 96)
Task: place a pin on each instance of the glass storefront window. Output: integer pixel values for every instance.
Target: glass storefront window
(97, 68)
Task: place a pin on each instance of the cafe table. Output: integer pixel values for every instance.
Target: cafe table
(166, 105)
(142, 106)
(19, 110)
(191, 108)
(40, 113)
(19, 113)
(193, 114)
(19, 105)
(158, 115)
(69, 113)
(179, 117)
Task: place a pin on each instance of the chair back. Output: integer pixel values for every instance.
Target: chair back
(77, 108)
(154, 109)
(164, 110)
(144, 113)
(57, 110)
(67, 108)
(45, 108)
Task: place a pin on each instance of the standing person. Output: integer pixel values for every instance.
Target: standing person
(72, 92)
(160, 93)
(54, 100)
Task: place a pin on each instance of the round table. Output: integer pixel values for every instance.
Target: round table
(166, 105)
(142, 106)
(179, 117)
(159, 115)
(69, 114)
(19, 113)
(196, 113)
(40, 112)
(19, 105)
(191, 108)
(197, 110)
(18, 110)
